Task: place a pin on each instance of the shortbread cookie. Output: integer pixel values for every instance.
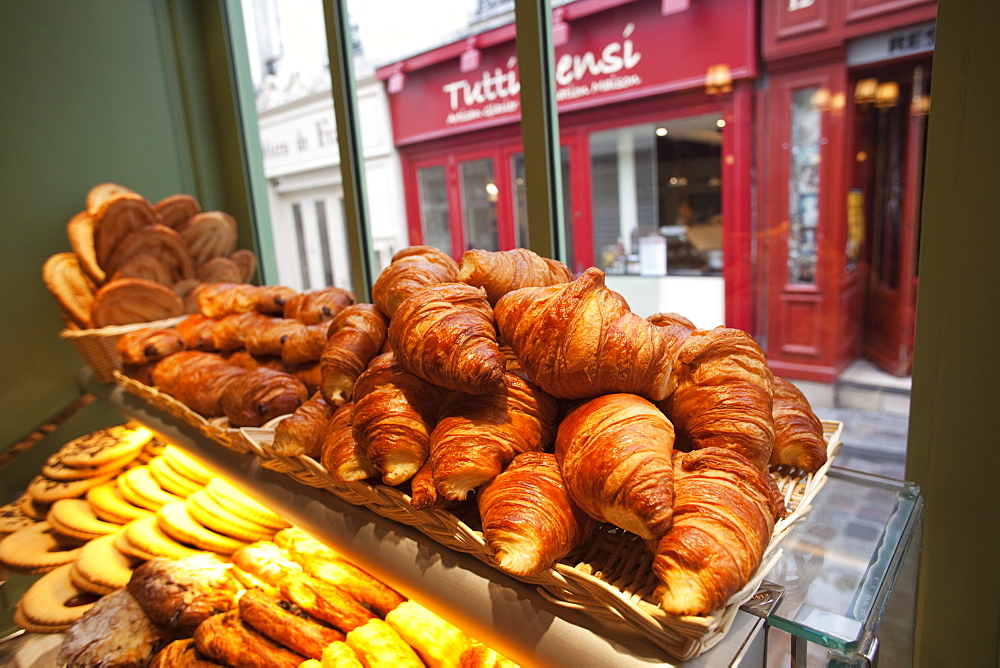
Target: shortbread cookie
(35, 549)
(101, 563)
(228, 496)
(139, 488)
(110, 505)
(55, 469)
(33, 509)
(81, 582)
(54, 600)
(47, 490)
(12, 518)
(186, 465)
(75, 518)
(167, 478)
(104, 446)
(129, 549)
(210, 513)
(177, 522)
(32, 627)
(147, 536)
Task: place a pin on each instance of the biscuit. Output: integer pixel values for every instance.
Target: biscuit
(81, 582)
(75, 518)
(32, 627)
(31, 508)
(13, 518)
(53, 599)
(35, 549)
(231, 498)
(146, 535)
(129, 549)
(101, 563)
(173, 482)
(217, 518)
(139, 488)
(178, 523)
(55, 469)
(47, 490)
(186, 465)
(105, 446)
(108, 504)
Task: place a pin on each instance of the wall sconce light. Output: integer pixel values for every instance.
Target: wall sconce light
(396, 81)
(470, 58)
(820, 99)
(718, 79)
(560, 28)
(887, 94)
(864, 91)
(920, 105)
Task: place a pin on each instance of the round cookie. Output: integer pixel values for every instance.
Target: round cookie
(12, 518)
(209, 513)
(81, 582)
(47, 490)
(139, 488)
(147, 536)
(186, 465)
(35, 549)
(75, 518)
(55, 469)
(231, 498)
(32, 627)
(54, 600)
(108, 504)
(33, 509)
(105, 446)
(173, 482)
(177, 522)
(101, 563)
(129, 549)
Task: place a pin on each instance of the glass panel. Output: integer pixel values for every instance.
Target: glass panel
(434, 217)
(324, 242)
(520, 204)
(803, 185)
(480, 194)
(300, 238)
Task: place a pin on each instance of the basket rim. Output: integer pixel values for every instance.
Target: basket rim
(115, 330)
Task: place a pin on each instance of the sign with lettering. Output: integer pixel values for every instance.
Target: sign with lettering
(628, 51)
(895, 44)
(302, 137)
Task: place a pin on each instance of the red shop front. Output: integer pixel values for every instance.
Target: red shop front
(656, 120)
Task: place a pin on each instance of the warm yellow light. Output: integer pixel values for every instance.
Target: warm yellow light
(661, 132)
(820, 99)
(887, 94)
(721, 123)
(718, 79)
(861, 156)
(864, 90)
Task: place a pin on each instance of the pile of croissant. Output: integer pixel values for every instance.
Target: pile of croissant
(504, 382)
(135, 261)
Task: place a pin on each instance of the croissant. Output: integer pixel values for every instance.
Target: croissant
(261, 395)
(315, 306)
(615, 456)
(671, 320)
(308, 373)
(723, 518)
(423, 492)
(529, 520)
(798, 433)
(721, 394)
(580, 340)
(411, 269)
(445, 335)
(478, 435)
(340, 454)
(196, 379)
(394, 413)
(231, 331)
(356, 335)
(196, 332)
(301, 433)
(305, 345)
(148, 345)
(503, 271)
(268, 335)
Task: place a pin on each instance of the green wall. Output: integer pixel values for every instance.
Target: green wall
(93, 92)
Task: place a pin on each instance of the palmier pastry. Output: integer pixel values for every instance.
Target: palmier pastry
(209, 234)
(132, 300)
(102, 193)
(218, 269)
(305, 345)
(70, 286)
(500, 272)
(188, 289)
(798, 433)
(723, 518)
(394, 413)
(301, 433)
(340, 453)
(175, 210)
(356, 335)
(615, 456)
(180, 594)
(196, 379)
(412, 269)
(144, 265)
(445, 335)
(229, 640)
(315, 306)
(80, 231)
(261, 395)
(196, 332)
(580, 340)
(246, 260)
(157, 240)
(148, 345)
(529, 520)
(117, 218)
(267, 335)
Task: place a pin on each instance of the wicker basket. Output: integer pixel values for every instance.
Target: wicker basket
(217, 429)
(610, 577)
(97, 346)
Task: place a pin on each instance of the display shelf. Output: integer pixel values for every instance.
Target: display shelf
(503, 612)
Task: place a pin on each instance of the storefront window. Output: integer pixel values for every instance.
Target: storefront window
(480, 194)
(803, 185)
(434, 207)
(520, 201)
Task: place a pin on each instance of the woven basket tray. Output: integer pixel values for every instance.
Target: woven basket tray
(217, 429)
(97, 346)
(609, 577)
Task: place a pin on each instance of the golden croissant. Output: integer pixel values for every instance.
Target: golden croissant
(500, 272)
(356, 335)
(721, 394)
(340, 454)
(724, 515)
(580, 340)
(478, 435)
(445, 335)
(798, 433)
(615, 455)
(411, 269)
